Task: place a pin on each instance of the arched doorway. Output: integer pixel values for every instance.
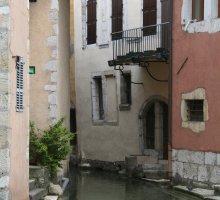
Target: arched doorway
(154, 127)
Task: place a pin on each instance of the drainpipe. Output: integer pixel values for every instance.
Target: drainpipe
(170, 94)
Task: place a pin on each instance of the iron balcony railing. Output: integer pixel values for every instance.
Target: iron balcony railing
(135, 45)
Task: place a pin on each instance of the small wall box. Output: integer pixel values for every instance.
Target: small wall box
(32, 70)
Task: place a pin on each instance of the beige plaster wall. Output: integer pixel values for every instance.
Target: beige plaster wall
(111, 142)
(63, 86)
(72, 61)
(19, 122)
(40, 54)
(49, 34)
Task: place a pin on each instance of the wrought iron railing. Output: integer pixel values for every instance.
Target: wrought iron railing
(140, 41)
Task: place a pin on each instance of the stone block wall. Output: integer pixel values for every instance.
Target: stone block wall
(4, 99)
(199, 166)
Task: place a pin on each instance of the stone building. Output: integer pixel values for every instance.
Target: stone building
(122, 109)
(14, 99)
(195, 137)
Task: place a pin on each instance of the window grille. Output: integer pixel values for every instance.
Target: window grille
(195, 110)
(19, 84)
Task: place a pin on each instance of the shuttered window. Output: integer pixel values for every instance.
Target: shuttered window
(117, 18)
(198, 9)
(149, 17)
(91, 21)
(19, 84)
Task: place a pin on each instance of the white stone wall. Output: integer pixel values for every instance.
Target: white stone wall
(119, 135)
(198, 166)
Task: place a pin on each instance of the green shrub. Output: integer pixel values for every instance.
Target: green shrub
(49, 147)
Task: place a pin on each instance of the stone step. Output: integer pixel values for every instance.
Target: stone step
(156, 174)
(32, 184)
(163, 162)
(51, 198)
(152, 167)
(155, 167)
(37, 194)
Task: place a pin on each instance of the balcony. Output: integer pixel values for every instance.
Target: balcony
(146, 44)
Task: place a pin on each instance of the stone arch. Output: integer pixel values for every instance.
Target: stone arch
(159, 104)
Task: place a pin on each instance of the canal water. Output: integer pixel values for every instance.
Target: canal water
(99, 185)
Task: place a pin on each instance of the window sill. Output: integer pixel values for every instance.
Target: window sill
(196, 127)
(124, 107)
(98, 122)
(210, 26)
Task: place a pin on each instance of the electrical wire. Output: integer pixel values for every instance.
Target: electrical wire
(150, 74)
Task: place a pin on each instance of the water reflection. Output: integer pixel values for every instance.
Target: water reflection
(96, 185)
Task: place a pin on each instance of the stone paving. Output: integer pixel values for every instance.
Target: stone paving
(206, 194)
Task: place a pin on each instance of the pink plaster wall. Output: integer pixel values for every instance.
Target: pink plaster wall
(19, 122)
(202, 70)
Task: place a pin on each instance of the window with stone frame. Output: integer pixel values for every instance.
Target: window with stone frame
(194, 110)
(198, 10)
(104, 98)
(125, 90)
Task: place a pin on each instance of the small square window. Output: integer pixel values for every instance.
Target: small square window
(195, 110)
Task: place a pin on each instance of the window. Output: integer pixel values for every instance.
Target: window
(99, 98)
(104, 98)
(125, 91)
(149, 16)
(91, 21)
(117, 18)
(195, 110)
(198, 10)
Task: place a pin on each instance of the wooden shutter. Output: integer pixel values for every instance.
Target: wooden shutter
(218, 8)
(19, 84)
(149, 16)
(91, 21)
(117, 18)
(198, 5)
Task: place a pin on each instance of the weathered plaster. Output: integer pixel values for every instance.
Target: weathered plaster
(210, 24)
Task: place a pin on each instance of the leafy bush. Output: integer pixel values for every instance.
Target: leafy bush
(50, 146)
